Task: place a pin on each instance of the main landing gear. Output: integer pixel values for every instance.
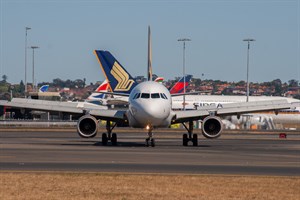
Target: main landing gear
(190, 136)
(150, 140)
(109, 135)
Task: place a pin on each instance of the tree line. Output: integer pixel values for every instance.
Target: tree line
(274, 88)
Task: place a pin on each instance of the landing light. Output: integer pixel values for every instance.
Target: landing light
(147, 127)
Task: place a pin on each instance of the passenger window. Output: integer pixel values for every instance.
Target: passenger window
(145, 95)
(155, 95)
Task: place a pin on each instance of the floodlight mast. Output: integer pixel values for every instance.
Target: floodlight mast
(184, 40)
(26, 29)
(33, 48)
(248, 40)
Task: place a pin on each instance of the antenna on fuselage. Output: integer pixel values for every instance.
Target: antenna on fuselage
(149, 55)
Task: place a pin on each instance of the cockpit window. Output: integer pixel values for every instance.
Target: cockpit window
(155, 96)
(163, 96)
(145, 95)
(137, 95)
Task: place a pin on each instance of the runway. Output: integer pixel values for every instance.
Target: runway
(231, 154)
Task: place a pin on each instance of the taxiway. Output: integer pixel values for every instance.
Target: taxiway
(232, 154)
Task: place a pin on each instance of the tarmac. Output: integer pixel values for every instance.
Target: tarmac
(231, 154)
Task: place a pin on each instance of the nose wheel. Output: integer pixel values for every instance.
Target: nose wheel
(150, 141)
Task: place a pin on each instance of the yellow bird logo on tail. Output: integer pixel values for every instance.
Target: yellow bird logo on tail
(124, 83)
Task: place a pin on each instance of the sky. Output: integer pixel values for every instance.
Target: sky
(68, 31)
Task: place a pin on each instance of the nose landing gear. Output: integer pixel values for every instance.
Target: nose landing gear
(150, 141)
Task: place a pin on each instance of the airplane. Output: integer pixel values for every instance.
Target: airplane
(96, 95)
(150, 107)
(182, 83)
(198, 101)
(44, 88)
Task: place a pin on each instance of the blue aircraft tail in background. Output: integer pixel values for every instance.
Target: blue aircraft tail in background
(44, 88)
(119, 79)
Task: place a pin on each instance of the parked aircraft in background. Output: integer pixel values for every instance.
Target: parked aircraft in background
(44, 88)
(197, 101)
(159, 79)
(97, 95)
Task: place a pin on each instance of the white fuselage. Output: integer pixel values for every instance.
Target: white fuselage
(197, 101)
(150, 105)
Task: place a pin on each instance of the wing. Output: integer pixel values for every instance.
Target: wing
(82, 108)
(114, 93)
(233, 109)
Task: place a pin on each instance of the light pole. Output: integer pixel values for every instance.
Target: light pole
(33, 85)
(183, 40)
(26, 29)
(248, 40)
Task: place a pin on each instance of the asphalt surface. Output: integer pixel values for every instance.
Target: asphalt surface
(231, 154)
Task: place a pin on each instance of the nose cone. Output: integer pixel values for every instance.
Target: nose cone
(150, 113)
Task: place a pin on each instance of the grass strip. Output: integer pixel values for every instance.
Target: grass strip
(90, 186)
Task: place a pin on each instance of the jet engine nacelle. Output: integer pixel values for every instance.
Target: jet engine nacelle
(87, 126)
(212, 127)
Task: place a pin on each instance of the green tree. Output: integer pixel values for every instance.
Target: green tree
(293, 83)
(22, 87)
(277, 86)
(4, 78)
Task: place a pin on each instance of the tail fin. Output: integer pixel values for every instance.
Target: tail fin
(102, 88)
(149, 56)
(44, 88)
(179, 86)
(119, 79)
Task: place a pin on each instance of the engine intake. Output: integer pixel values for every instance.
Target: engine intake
(212, 127)
(87, 126)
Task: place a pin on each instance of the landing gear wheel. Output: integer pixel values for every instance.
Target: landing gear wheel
(147, 142)
(104, 139)
(185, 140)
(195, 140)
(152, 140)
(114, 139)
